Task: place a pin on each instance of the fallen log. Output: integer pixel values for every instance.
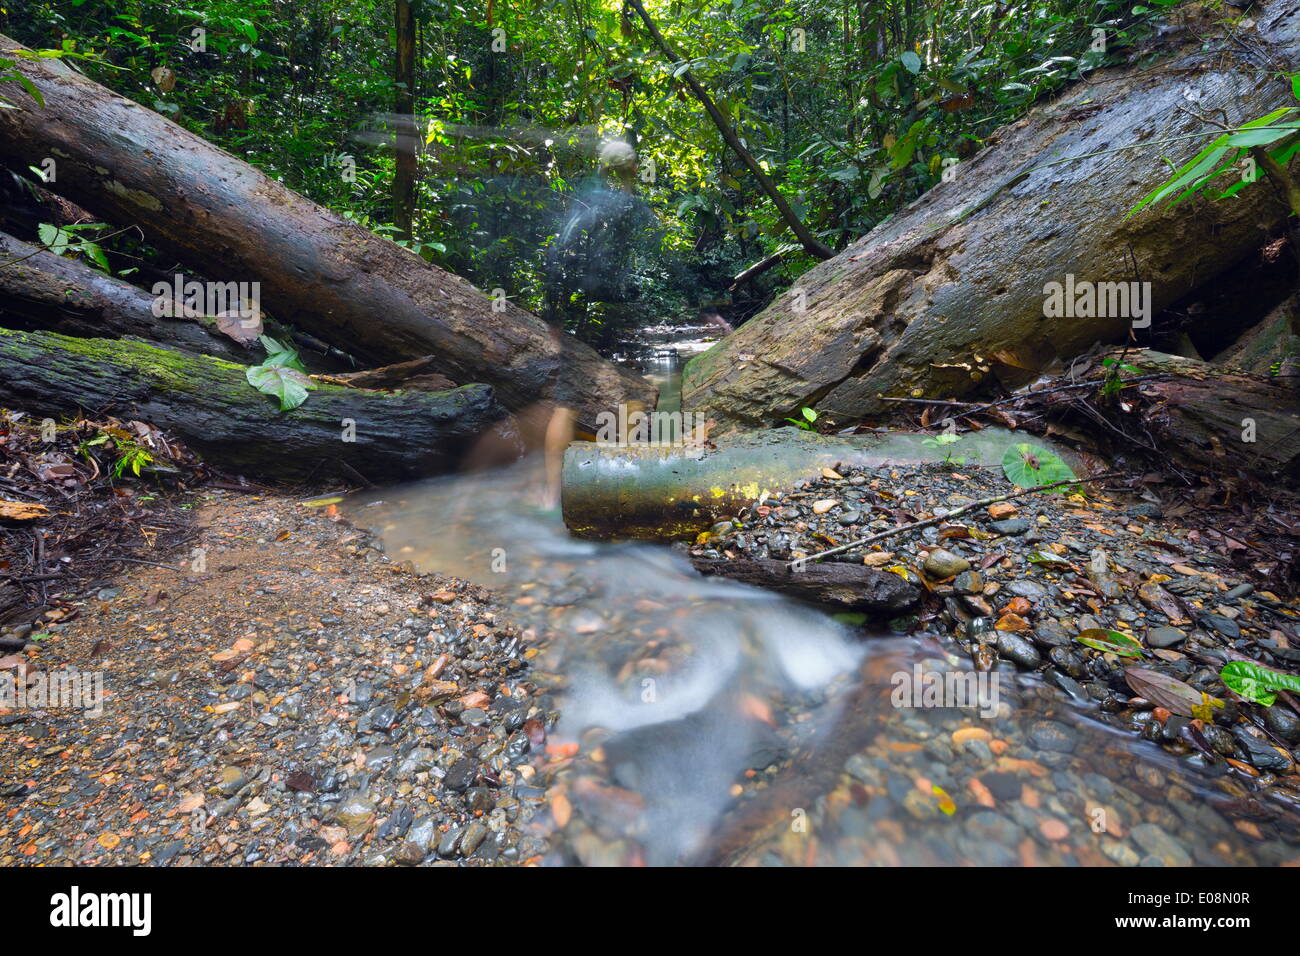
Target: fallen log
(1212, 417)
(853, 587)
(318, 271)
(41, 290)
(210, 405)
(953, 290)
(416, 374)
(673, 493)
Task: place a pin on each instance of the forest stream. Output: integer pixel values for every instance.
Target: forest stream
(674, 686)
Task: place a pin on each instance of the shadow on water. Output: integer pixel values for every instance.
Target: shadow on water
(706, 721)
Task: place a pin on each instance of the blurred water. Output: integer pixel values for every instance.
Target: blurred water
(716, 722)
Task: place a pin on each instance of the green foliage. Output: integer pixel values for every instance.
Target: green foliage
(1113, 380)
(68, 241)
(1029, 466)
(282, 375)
(133, 457)
(806, 422)
(943, 441)
(1257, 683)
(853, 108)
(1276, 133)
(130, 455)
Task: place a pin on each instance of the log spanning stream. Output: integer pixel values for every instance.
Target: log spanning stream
(717, 723)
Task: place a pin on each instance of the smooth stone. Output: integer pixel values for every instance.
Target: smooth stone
(1015, 648)
(941, 563)
(1165, 637)
(1052, 736)
(1156, 843)
(1011, 526)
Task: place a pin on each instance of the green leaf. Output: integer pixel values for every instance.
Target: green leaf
(1261, 137)
(911, 62)
(1028, 466)
(1194, 169)
(1257, 683)
(279, 354)
(1113, 642)
(96, 255)
(287, 384)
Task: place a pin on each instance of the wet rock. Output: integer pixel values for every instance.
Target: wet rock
(354, 812)
(1156, 843)
(473, 836)
(1225, 626)
(449, 842)
(1027, 589)
(1011, 526)
(1165, 637)
(941, 563)
(460, 775)
(1259, 752)
(969, 582)
(232, 781)
(1283, 721)
(1053, 736)
(1015, 648)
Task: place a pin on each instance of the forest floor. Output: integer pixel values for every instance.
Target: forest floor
(298, 700)
(284, 693)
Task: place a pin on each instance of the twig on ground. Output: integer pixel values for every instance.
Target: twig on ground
(799, 563)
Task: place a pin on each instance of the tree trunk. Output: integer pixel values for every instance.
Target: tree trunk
(317, 270)
(209, 404)
(952, 290)
(404, 122)
(811, 244)
(41, 290)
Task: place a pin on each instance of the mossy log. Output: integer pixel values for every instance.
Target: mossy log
(318, 271)
(41, 290)
(939, 300)
(210, 405)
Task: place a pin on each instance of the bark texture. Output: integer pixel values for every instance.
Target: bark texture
(210, 404)
(1208, 416)
(951, 291)
(851, 586)
(318, 271)
(41, 290)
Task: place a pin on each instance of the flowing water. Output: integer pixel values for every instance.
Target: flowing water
(661, 353)
(706, 721)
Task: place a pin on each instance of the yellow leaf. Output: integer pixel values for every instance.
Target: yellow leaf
(946, 803)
